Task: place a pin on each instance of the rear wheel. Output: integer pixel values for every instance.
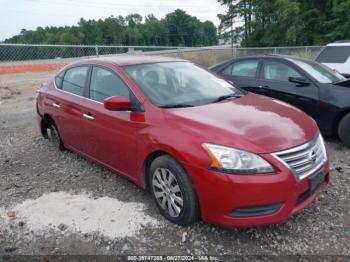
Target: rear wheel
(53, 135)
(344, 130)
(173, 191)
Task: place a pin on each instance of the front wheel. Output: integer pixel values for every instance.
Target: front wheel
(173, 191)
(344, 130)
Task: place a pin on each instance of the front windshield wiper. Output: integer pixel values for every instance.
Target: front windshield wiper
(176, 106)
(220, 98)
(341, 81)
(225, 97)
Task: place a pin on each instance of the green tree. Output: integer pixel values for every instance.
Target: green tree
(286, 22)
(176, 29)
(187, 30)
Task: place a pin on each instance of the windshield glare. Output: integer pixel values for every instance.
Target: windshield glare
(320, 72)
(179, 83)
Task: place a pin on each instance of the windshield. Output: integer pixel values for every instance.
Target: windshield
(180, 84)
(321, 73)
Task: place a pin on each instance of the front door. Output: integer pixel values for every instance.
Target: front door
(111, 135)
(274, 83)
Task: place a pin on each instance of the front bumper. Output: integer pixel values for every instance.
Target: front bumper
(251, 200)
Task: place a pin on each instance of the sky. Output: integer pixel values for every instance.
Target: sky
(29, 14)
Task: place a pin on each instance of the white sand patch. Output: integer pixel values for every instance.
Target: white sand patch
(3, 216)
(106, 216)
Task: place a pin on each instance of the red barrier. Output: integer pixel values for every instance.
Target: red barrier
(23, 68)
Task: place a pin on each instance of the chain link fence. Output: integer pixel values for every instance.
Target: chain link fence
(214, 55)
(205, 56)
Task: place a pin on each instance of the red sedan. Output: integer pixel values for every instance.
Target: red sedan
(202, 147)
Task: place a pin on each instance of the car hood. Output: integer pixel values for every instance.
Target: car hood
(254, 123)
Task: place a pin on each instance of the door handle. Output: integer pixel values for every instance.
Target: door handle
(88, 117)
(265, 86)
(54, 104)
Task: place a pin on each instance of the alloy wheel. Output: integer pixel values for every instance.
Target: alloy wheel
(167, 191)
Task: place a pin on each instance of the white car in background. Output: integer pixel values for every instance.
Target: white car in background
(337, 56)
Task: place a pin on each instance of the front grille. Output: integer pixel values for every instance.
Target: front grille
(305, 159)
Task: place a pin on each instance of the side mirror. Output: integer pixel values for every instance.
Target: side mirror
(118, 103)
(298, 80)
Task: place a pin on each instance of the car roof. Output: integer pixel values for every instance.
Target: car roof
(340, 43)
(125, 60)
(270, 56)
(282, 57)
(292, 59)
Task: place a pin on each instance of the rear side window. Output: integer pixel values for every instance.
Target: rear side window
(59, 80)
(334, 54)
(278, 71)
(246, 68)
(105, 83)
(74, 80)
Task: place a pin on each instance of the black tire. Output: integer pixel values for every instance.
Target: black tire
(344, 130)
(190, 209)
(53, 135)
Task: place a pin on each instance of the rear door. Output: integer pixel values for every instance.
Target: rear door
(274, 82)
(66, 105)
(243, 73)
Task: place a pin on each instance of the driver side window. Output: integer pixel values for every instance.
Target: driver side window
(278, 71)
(105, 83)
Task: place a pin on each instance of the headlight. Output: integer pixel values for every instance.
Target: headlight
(236, 161)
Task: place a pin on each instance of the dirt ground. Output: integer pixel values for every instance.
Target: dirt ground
(55, 202)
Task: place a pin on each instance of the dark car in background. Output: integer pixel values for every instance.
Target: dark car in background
(314, 88)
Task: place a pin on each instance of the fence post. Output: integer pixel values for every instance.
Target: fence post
(179, 52)
(96, 50)
(131, 50)
(275, 51)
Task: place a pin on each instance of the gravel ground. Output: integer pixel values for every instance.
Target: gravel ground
(31, 169)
